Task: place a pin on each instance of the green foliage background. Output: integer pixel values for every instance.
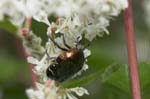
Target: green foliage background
(107, 77)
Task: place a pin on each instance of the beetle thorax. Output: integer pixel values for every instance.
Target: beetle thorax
(69, 54)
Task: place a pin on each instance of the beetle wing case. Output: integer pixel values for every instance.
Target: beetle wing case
(67, 64)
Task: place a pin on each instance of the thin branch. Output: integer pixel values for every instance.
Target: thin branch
(33, 76)
(21, 52)
(28, 23)
(132, 55)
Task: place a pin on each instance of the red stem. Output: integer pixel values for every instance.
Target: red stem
(28, 23)
(22, 53)
(132, 56)
(33, 76)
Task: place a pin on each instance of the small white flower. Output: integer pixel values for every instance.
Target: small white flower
(32, 44)
(85, 67)
(42, 17)
(79, 91)
(40, 67)
(32, 60)
(49, 90)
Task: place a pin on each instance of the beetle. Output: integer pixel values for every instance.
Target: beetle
(68, 63)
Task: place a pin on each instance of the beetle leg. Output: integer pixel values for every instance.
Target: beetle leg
(48, 57)
(49, 69)
(55, 43)
(64, 41)
(78, 38)
(78, 43)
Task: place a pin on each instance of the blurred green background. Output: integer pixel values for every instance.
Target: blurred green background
(107, 77)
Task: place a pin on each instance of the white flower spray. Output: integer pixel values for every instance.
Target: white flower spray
(77, 19)
(147, 11)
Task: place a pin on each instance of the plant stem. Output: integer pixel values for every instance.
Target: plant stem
(33, 76)
(22, 53)
(132, 56)
(28, 23)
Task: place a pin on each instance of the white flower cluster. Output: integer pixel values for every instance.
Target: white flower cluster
(42, 62)
(9, 9)
(78, 20)
(42, 65)
(51, 91)
(92, 17)
(18, 10)
(147, 11)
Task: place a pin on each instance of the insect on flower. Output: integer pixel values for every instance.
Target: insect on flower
(68, 63)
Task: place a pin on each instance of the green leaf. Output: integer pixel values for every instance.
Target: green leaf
(8, 26)
(82, 81)
(101, 74)
(40, 29)
(144, 71)
(120, 79)
(11, 68)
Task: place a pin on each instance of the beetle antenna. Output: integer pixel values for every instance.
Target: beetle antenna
(48, 57)
(64, 41)
(55, 43)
